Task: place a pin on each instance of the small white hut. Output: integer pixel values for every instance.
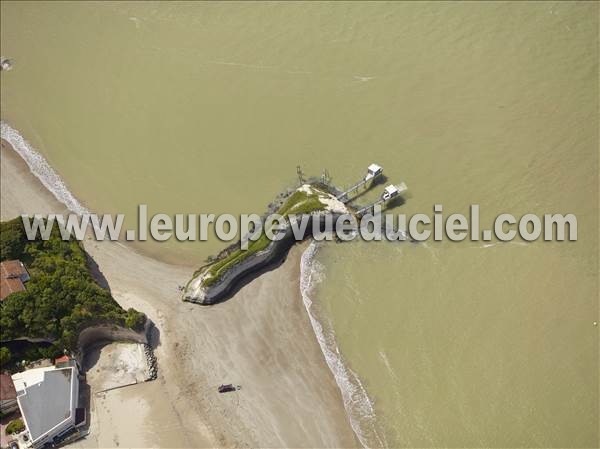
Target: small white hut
(391, 191)
(373, 170)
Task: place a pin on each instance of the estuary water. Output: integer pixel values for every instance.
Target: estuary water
(208, 108)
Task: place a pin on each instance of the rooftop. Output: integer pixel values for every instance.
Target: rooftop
(12, 269)
(391, 189)
(7, 388)
(12, 275)
(374, 168)
(62, 359)
(46, 398)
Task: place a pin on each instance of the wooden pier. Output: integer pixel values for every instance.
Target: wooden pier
(373, 171)
(389, 193)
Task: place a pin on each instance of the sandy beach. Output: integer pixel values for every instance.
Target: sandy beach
(261, 339)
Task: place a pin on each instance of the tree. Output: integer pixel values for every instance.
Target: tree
(5, 356)
(15, 426)
(62, 297)
(11, 239)
(134, 319)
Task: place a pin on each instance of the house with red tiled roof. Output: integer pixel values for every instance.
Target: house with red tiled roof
(62, 359)
(13, 275)
(8, 394)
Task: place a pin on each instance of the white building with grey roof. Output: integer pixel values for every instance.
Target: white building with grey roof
(48, 400)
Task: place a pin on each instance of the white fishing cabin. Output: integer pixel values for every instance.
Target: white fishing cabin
(391, 191)
(373, 170)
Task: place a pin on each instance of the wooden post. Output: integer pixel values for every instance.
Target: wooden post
(300, 174)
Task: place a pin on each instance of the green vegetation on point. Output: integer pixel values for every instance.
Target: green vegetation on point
(300, 202)
(61, 298)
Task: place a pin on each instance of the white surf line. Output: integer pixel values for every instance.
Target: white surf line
(41, 169)
(357, 404)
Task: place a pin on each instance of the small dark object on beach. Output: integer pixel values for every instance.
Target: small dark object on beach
(226, 388)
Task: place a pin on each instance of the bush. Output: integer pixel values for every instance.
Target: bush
(11, 240)
(4, 356)
(62, 297)
(135, 320)
(15, 426)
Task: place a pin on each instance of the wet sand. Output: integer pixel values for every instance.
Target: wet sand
(261, 339)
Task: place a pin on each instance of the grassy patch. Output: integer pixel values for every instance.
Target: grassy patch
(15, 426)
(300, 202)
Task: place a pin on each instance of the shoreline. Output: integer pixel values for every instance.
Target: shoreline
(359, 406)
(261, 339)
(51, 183)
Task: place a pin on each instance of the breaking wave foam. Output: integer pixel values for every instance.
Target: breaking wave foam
(359, 407)
(356, 401)
(41, 169)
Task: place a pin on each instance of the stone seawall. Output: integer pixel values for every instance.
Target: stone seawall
(93, 336)
(248, 269)
(110, 332)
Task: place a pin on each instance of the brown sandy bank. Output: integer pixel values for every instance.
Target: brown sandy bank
(261, 340)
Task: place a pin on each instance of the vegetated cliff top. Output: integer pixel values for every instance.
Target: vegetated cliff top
(307, 199)
(61, 297)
